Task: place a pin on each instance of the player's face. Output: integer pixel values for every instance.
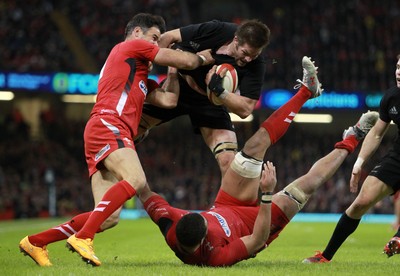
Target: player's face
(398, 73)
(243, 54)
(152, 35)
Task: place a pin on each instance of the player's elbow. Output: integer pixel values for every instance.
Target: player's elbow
(244, 113)
(170, 103)
(167, 100)
(257, 245)
(189, 64)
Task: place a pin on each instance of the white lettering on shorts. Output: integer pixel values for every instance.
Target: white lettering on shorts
(102, 152)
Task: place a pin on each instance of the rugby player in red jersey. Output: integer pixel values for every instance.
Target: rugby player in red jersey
(237, 227)
(114, 167)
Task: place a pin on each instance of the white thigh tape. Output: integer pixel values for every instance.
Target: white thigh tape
(296, 194)
(246, 167)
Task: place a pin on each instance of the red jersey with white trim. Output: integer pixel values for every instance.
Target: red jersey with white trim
(122, 86)
(222, 245)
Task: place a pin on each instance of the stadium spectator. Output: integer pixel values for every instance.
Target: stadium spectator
(31, 40)
(174, 168)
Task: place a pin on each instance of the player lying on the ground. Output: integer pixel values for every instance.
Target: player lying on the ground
(237, 227)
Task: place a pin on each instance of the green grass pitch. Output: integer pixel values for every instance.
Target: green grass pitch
(136, 247)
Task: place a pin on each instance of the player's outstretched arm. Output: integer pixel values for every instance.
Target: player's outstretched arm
(259, 237)
(369, 146)
(169, 38)
(182, 59)
(167, 96)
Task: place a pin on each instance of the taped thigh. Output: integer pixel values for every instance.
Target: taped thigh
(295, 194)
(224, 146)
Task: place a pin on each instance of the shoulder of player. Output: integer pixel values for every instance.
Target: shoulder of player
(137, 43)
(213, 25)
(392, 92)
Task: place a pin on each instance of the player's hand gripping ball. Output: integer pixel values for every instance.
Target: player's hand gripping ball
(229, 83)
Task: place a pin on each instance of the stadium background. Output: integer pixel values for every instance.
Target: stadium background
(42, 167)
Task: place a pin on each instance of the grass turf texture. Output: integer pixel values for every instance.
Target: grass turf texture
(136, 247)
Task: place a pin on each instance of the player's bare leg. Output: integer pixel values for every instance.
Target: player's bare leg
(223, 144)
(241, 178)
(319, 173)
(351, 138)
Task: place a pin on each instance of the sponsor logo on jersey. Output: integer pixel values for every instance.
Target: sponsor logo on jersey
(375, 169)
(209, 246)
(194, 45)
(102, 152)
(393, 110)
(222, 222)
(143, 87)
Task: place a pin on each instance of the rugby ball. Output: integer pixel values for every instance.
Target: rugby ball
(229, 82)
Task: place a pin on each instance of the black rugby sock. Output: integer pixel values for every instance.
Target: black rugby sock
(398, 233)
(344, 228)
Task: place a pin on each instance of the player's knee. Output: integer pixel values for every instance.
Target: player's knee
(357, 209)
(246, 166)
(139, 183)
(295, 194)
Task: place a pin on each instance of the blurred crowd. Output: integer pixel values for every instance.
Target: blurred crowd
(354, 42)
(176, 161)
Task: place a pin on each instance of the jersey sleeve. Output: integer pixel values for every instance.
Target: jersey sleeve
(207, 35)
(157, 208)
(229, 254)
(140, 48)
(152, 85)
(251, 83)
(193, 31)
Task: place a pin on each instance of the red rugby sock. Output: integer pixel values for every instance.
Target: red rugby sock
(111, 201)
(60, 232)
(349, 144)
(278, 123)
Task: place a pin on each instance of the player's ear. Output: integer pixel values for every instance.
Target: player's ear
(137, 32)
(236, 41)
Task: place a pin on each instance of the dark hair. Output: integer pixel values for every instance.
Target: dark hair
(253, 32)
(191, 229)
(145, 21)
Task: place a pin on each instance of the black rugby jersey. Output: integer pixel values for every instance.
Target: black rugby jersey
(213, 35)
